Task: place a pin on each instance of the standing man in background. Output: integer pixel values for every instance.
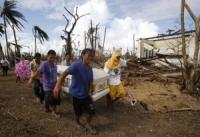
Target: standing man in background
(5, 66)
(67, 61)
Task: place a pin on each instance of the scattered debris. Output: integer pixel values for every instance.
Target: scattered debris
(150, 70)
(12, 115)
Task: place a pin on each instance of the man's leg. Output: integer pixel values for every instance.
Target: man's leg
(116, 92)
(89, 108)
(36, 88)
(80, 126)
(108, 100)
(111, 96)
(78, 120)
(55, 102)
(47, 98)
(17, 79)
(6, 71)
(89, 126)
(88, 120)
(55, 112)
(77, 111)
(41, 94)
(47, 108)
(3, 71)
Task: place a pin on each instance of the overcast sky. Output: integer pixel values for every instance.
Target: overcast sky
(123, 18)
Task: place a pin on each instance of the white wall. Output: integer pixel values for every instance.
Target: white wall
(166, 46)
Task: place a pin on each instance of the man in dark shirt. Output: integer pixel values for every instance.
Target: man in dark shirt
(82, 78)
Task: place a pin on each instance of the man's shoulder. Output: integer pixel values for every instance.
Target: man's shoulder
(76, 63)
(44, 64)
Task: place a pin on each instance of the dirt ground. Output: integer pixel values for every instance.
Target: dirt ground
(21, 116)
(163, 97)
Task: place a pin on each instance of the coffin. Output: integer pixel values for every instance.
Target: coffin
(100, 82)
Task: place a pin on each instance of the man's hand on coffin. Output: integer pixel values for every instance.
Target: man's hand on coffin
(116, 71)
(58, 86)
(30, 82)
(37, 74)
(128, 60)
(56, 91)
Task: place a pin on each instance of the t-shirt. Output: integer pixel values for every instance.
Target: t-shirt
(5, 63)
(34, 68)
(82, 77)
(49, 76)
(115, 75)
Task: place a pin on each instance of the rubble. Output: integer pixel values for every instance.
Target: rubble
(150, 70)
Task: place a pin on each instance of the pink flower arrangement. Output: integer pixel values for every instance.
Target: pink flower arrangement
(23, 69)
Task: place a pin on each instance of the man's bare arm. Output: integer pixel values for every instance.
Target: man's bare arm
(59, 83)
(34, 76)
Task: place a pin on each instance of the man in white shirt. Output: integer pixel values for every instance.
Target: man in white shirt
(5, 66)
(67, 61)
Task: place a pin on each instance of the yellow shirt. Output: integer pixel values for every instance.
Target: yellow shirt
(34, 68)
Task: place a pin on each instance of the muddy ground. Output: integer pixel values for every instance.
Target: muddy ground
(22, 116)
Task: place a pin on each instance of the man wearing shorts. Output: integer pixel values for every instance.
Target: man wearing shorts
(82, 78)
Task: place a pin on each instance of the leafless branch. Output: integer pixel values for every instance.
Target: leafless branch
(84, 15)
(68, 33)
(190, 12)
(76, 18)
(67, 22)
(70, 13)
(172, 64)
(76, 14)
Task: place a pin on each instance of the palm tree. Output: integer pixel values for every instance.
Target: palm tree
(12, 17)
(1, 30)
(1, 33)
(40, 34)
(1, 52)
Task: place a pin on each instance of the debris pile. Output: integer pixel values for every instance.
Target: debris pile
(150, 70)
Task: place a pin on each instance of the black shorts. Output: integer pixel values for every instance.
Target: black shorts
(83, 106)
(5, 68)
(51, 100)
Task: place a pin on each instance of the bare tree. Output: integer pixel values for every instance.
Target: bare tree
(92, 35)
(85, 40)
(190, 68)
(104, 38)
(70, 28)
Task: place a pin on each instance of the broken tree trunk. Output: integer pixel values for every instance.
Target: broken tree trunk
(69, 32)
(190, 73)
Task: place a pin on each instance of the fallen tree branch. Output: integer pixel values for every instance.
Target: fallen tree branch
(179, 110)
(12, 115)
(171, 64)
(163, 94)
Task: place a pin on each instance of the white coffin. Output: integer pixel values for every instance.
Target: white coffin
(100, 82)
